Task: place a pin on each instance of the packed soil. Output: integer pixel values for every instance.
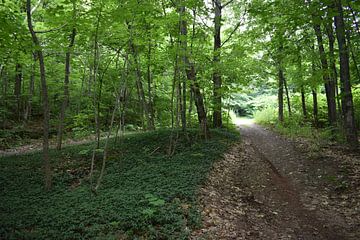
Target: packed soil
(270, 187)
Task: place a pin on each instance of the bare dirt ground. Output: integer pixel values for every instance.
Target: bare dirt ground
(36, 146)
(270, 187)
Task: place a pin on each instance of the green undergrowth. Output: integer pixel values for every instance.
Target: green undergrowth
(296, 126)
(146, 192)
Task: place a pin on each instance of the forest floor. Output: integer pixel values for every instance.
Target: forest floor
(271, 187)
(35, 145)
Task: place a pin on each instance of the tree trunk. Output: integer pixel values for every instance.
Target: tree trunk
(303, 102)
(139, 85)
(280, 94)
(315, 108)
(175, 78)
(151, 100)
(346, 95)
(329, 84)
(217, 81)
(65, 101)
(183, 56)
(191, 76)
(28, 108)
(106, 146)
(333, 71)
(287, 96)
(17, 89)
(199, 102)
(47, 167)
(95, 69)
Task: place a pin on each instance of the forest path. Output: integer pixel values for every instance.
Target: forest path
(265, 188)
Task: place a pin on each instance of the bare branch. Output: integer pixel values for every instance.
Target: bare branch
(240, 23)
(35, 7)
(202, 20)
(232, 33)
(226, 4)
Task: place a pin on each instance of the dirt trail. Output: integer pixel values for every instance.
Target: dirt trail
(265, 188)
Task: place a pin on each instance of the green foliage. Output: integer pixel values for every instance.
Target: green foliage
(266, 116)
(295, 126)
(356, 97)
(146, 193)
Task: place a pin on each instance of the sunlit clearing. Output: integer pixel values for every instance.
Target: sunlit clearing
(243, 121)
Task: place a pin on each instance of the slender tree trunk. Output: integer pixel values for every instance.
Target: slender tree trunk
(95, 69)
(191, 76)
(280, 94)
(183, 56)
(28, 107)
(303, 102)
(151, 100)
(190, 106)
(183, 105)
(47, 167)
(3, 96)
(347, 100)
(17, 89)
(329, 84)
(65, 101)
(315, 108)
(333, 71)
(178, 102)
(176, 70)
(353, 56)
(199, 102)
(106, 146)
(140, 87)
(302, 89)
(287, 96)
(217, 81)
(83, 91)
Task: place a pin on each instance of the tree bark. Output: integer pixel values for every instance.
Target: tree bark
(346, 95)
(151, 100)
(329, 84)
(333, 71)
(17, 89)
(217, 81)
(191, 76)
(139, 85)
(28, 108)
(65, 101)
(95, 69)
(183, 56)
(287, 96)
(303, 102)
(47, 167)
(280, 94)
(315, 108)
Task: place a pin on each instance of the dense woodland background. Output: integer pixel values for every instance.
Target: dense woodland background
(84, 67)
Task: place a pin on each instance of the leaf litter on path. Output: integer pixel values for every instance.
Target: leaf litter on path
(265, 188)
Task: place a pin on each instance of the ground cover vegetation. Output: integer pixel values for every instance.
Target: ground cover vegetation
(147, 192)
